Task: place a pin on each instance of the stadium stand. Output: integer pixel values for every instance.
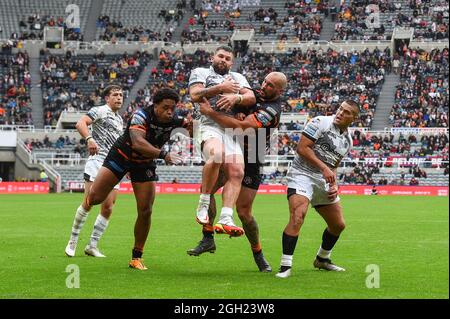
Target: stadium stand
(139, 20)
(421, 98)
(15, 80)
(26, 19)
(75, 82)
(271, 20)
(356, 19)
(72, 79)
(319, 79)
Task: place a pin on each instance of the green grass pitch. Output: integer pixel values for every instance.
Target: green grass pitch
(406, 237)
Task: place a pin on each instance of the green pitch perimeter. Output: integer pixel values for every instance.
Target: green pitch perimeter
(406, 237)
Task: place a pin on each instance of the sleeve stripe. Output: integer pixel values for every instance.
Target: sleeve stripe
(309, 136)
(138, 127)
(90, 116)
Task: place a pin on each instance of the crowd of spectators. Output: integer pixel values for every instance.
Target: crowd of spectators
(71, 83)
(318, 80)
(362, 19)
(379, 147)
(173, 70)
(15, 83)
(201, 29)
(301, 21)
(421, 98)
(382, 147)
(32, 28)
(429, 19)
(113, 31)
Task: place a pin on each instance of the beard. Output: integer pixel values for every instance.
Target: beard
(219, 69)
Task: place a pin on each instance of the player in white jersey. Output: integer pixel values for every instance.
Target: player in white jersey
(107, 126)
(224, 90)
(325, 141)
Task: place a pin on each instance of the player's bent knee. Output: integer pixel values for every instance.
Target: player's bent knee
(93, 198)
(298, 216)
(145, 213)
(297, 221)
(338, 228)
(107, 210)
(236, 172)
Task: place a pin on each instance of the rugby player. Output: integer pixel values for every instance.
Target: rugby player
(264, 116)
(224, 90)
(107, 126)
(325, 141)
(135, 153)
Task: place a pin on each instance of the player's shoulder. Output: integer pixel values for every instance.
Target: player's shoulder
(199, 75)
(201, 70)
(94, 109)
(95, 112)
(103, 109)
(142, 113)
(322, 120)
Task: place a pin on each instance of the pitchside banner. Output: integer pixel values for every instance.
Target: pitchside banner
(281, 189)
(24, 187)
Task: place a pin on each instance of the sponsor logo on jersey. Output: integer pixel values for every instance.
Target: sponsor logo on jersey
(271, 111)
(262, 118)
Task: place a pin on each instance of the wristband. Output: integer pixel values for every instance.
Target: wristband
(88, 138)
(162, 154)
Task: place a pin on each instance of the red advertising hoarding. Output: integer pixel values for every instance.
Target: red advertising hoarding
(24, 187)
(281, 189)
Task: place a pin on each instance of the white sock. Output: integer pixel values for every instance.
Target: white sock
(226, 214)
(99, 227)
(322, 253)
(78, 222)
(286, 260)
(204, 200)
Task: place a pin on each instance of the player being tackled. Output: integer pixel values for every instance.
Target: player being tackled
(259, 120)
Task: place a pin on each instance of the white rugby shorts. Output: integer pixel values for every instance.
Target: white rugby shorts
(91, 170)
(231, 146)
(313, 188)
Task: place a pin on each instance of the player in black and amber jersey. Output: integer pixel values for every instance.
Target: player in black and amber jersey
(135, 152)
(262, 118)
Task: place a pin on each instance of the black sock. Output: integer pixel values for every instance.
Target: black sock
(289, 243)
(208, 231)
(328, 240)
(256, 253)
(136, 253)
(207, 234)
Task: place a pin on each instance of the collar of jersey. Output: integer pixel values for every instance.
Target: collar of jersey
(337, 129)
(109, 107)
